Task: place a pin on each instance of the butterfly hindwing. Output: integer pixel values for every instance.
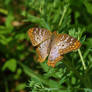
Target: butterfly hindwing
(38, 35)
(43, 50)
(61, 44)
(54, 55)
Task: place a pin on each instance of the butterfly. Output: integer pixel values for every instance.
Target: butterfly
(50, 44)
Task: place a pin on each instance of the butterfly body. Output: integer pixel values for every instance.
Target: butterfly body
(53, 45)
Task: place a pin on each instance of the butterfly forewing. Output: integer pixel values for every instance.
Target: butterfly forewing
(67, 43)
(38, 35)
(62, 44)
(43, 50)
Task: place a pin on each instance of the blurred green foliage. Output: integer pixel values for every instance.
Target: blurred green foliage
(19, 69)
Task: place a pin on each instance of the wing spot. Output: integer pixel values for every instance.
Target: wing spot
(62, 44)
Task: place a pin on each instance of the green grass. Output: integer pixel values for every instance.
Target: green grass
(19, 69)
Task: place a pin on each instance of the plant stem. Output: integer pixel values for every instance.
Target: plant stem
(79, 51)
(6, 86)
(63, 14)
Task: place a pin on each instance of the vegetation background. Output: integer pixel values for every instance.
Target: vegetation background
(19, 69)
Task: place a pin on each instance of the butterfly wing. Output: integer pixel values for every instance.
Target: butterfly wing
(43, 50)
(67, 43)
(54, 55)
(60, 45)
(38, 35)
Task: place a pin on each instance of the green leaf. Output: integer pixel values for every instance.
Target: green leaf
(20, 86)
(73, 80)
(37, 20)
(89, 41)
(9, 20)
(3, 11)
(89, 7)
(7, 2)
(83, 38)
(21, 36)
(10, 64)
(4, 40)
(73, 32)
(88, 90)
